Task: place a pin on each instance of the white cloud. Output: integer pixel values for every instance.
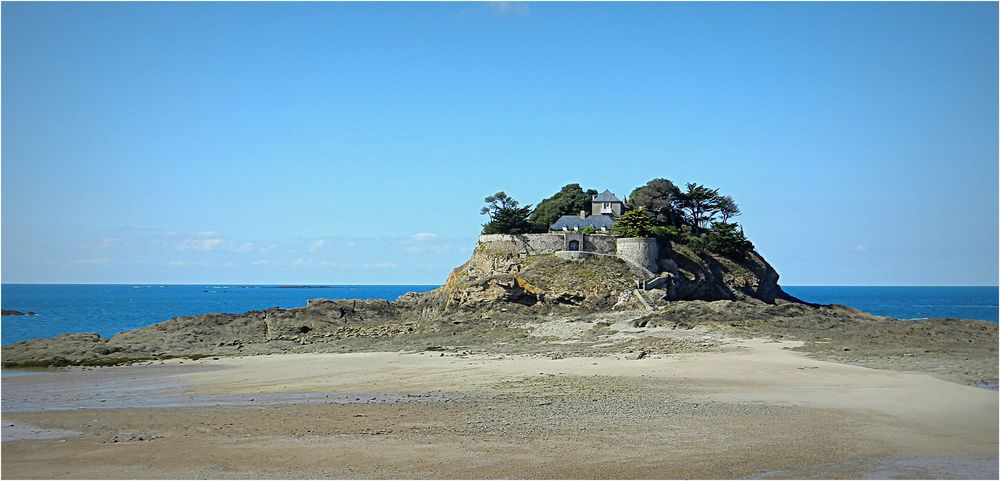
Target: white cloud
(200, 244)
(199, 264)
(205, 233)
(316, 245)
(100, 261)
(108, 242)
(509, 8)
(244, 247)
(303, 262)
(424, 236)
(431, 249)
(860, 248)
(380, 265)
(265, 262)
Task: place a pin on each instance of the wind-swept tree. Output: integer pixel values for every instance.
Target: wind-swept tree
(659, 197)
(700, 204)
(727, 208)
(506, 217)
(571, 199)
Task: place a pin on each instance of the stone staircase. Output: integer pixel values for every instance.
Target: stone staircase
(642, 299)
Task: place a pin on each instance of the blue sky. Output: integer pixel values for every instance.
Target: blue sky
(354, 143)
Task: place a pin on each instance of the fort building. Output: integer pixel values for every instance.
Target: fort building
(604, 208)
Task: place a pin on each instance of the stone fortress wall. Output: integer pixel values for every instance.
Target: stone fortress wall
(538, 244)
(640, 253)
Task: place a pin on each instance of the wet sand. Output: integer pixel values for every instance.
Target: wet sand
(755, 409)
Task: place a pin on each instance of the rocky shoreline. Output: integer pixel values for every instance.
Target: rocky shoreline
(959, 350)
(498, 300)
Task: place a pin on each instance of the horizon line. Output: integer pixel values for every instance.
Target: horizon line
(416, 284)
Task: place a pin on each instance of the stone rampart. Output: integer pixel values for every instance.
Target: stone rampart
(527, 244)
(601, 244)
(537, 244)
(639, 251)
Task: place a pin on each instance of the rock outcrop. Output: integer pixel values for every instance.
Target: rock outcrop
(506, 275)
(499, 278)
(251, 332)
(710, 277)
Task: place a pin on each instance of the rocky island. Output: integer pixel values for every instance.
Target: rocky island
(586, 319)
(516, 280)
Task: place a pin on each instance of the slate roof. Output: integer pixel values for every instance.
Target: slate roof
(606, 196)
(571, 221)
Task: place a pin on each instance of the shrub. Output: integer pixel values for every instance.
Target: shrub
(668, 232)
(588, 230)
(724, 239)
(634, 223)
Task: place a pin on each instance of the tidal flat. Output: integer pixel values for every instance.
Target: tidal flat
(746, 408)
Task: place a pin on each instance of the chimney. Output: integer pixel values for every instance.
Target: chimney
(583, 214)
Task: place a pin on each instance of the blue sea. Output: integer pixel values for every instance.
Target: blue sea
(109, 309)
(908, 302)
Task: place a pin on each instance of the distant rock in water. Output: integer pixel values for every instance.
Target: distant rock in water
(6, 312)
(304, 287)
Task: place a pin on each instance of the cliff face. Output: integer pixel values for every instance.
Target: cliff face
(508, 275)
(710, 277)
(499, 276)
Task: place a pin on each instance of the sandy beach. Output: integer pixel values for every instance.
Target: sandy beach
(754, 408)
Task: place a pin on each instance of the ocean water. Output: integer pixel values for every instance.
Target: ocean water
(905, 302)
(109, 309)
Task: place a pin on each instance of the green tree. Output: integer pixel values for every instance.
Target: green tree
(506, 215)
(570, 200)
(724, 239)
(634, 223)
(727, 208)
(669, 232)
(659, 197)
(700, 203)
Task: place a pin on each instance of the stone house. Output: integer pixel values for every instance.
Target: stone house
(604, 208)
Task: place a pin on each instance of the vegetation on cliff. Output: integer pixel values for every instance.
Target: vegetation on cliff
(570, 200)
(698, 216)
(634, 223)
(506, 215)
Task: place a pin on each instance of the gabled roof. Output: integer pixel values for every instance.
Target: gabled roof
(606, 196)
(571, 221)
